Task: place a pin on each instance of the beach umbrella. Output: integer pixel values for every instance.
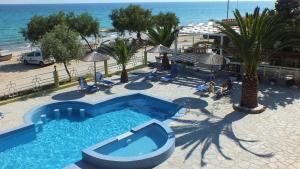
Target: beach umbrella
(160, 49)
(95, 57)
(211, 59)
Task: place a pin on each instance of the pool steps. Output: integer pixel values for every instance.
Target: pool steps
(57, 113)
(82, 113)
(39, 126)
(70, 110)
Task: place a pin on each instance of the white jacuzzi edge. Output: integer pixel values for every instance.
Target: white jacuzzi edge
(146, 161)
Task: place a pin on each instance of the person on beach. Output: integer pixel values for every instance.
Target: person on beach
(225, 87)
(211, 87)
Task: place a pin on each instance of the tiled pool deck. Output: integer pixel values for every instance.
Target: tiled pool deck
(211, 135)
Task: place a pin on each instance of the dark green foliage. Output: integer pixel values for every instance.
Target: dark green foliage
(166, 20)
(288, 8)
(259, 32)
(84, 24)
(62, 44)
(39, 25)
(122, 50)
(162, 36)
(119, 20)
(289, 12)
(132, 19)
(257, 39)
(36, 28)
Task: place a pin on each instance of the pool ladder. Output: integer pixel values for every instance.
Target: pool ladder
(186, 104)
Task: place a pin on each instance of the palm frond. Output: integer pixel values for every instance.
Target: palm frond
(259, 32)
(162, 35)
(122, 50)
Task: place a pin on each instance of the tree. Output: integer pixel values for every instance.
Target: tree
(132, 19)
(164, 36)
(62, 44)
(289, 12)
(122, 51)
(259, 32)
(38, 26)
(288, 8)
(84, 24)
(166, 20)
(120, 20)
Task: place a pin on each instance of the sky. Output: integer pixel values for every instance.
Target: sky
(100, 1)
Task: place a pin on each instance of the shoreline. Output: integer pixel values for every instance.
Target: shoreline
(25, 47)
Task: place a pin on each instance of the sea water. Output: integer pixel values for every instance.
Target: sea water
(15, 17)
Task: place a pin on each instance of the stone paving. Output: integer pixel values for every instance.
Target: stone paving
(212, 134)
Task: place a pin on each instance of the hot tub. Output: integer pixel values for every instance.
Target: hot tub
(144, 147)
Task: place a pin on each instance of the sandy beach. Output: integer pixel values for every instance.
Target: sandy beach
(15, 70)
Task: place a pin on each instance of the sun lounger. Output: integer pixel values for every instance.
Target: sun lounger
(85, 87)
(202, 88)
(106, 83)
(171, 76)
(209, 79)
(226, 92)
(151, 75)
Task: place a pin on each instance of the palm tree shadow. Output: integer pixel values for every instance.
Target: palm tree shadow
(277, 96)
(194, 103)
(208, 132)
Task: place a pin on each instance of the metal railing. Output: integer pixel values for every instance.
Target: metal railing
(9, 89)
(278, 71)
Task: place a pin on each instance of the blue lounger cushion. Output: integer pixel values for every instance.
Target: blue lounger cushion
(167, 78)
(99, 78)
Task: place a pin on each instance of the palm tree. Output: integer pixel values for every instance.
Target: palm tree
(259, 32)
(162, 36)
(122, 50)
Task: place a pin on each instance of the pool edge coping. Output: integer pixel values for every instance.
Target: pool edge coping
(27, 118)
(168, 145)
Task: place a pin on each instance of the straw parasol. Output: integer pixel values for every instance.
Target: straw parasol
(95, 57)
(160, 49)
(211, 59)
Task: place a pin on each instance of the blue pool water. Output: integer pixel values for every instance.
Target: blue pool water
(141, 143)
(61, 140)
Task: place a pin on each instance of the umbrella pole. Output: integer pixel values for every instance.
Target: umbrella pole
(95, 72)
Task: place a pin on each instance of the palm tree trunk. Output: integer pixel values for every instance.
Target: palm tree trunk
(124, 75)
(165, 62)
(87, 42)
(67, 70)
(139, 36)
(249, 91)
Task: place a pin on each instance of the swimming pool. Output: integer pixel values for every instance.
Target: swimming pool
(143, 147)
(61, 139)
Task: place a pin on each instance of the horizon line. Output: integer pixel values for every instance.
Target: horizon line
(129, 2)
